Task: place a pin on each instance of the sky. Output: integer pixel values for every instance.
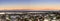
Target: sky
(30, 4)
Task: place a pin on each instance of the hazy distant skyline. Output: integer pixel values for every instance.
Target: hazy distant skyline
(30, 4)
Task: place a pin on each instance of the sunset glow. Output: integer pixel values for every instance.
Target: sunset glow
(30, 4)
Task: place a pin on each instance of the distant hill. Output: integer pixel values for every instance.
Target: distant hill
(26, 10)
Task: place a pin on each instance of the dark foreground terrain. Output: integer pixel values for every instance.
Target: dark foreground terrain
(9, 15)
